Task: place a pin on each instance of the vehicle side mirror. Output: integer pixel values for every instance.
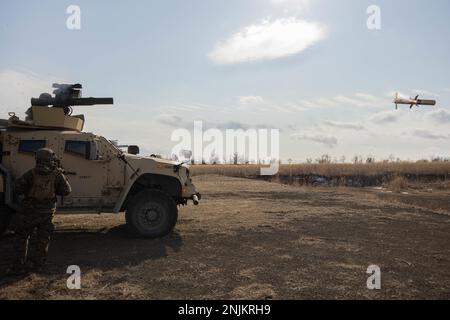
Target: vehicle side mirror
(133, 150)
(93, 151)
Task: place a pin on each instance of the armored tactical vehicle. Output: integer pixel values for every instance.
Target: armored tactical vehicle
(104, 178)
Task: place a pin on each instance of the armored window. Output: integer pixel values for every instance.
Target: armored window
(81, 148)
(31, 146)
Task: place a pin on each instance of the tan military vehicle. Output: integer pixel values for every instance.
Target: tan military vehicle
(104, 178)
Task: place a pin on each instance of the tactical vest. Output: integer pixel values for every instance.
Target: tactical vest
(43, 188)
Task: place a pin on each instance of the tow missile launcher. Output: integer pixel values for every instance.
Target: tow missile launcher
(49, 111)
(66, 96)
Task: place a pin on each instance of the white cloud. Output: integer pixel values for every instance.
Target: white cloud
(326, 102)
(260, 104)
(295, 107)
(384, 117)
(250, 100)
(440, 116)
(349, 101)
(309, 104)
(268, 40)
(173, 120)
(427, 134)
(367, 97)
(192, 107)
(329, 141)
(355, 100)
(344, 125)
(361, 100)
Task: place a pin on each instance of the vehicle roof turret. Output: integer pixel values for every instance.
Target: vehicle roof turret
(55, 112)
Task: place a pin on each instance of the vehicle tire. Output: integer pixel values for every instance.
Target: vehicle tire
(5, 218)
(151, 214)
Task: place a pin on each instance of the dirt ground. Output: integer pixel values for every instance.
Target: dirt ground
(250, 239)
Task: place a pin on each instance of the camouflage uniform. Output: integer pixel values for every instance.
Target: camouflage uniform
(38, 188)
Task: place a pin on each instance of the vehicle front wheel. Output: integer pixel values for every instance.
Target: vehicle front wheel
(152, 214)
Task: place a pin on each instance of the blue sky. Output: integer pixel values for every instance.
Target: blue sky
(311, 68)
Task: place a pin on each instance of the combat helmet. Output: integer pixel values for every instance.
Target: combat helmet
(45, 155)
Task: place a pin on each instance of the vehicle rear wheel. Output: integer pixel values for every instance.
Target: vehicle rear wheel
(152, 214)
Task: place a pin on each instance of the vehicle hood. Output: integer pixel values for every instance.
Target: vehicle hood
(138, 158)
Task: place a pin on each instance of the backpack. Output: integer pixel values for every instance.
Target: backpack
(43, 188)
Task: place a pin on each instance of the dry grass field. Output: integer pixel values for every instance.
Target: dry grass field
(396, 175)
(439, 168)
(252, 239)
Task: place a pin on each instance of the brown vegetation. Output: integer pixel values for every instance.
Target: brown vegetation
(398, 184)
(331, 169)
(356, 174)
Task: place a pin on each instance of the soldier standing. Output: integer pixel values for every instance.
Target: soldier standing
(38, 189)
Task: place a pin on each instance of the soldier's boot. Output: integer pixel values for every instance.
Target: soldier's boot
(20, 266)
